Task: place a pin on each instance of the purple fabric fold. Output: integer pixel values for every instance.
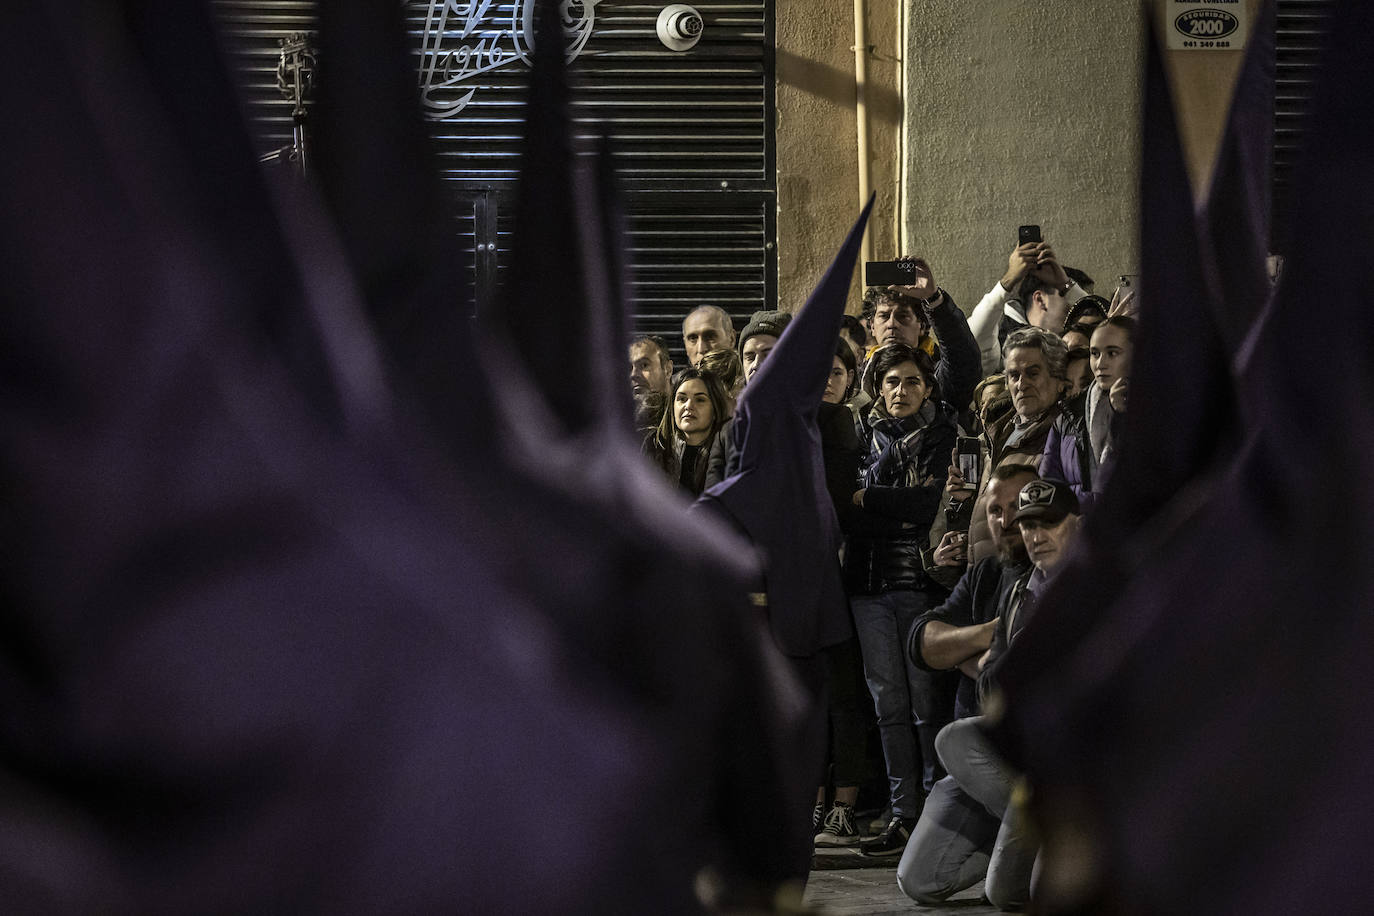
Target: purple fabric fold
(1190, 703)
(274, 638)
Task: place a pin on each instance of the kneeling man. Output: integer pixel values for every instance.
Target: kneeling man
(969, 828)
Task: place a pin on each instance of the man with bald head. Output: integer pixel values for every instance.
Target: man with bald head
(706, 328)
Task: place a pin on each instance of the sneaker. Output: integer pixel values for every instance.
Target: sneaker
(839, 827)
(879, 823)
(891, 841)
(817, 813)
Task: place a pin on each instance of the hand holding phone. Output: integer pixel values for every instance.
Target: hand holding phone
(955, 489)
(889, 273)
(952, 550)
(910, 275)
(1124, 299)
(970, 455)
(1020, 262)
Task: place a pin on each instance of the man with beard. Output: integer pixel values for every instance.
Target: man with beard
(959, 631)
(950, 846)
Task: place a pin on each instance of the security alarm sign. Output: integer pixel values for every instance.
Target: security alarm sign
(1210, 25)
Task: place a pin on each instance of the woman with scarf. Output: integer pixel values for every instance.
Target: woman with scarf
(911, 435)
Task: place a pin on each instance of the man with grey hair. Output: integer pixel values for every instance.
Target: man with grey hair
(706, 328)
(1035, 367)
(1035, 362)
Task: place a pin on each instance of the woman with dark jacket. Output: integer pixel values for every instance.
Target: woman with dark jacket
(697, 408)
(911, 435)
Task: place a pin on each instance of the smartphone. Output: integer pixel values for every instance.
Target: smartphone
(1128, 281)
(970, 461)
(889, 273)
(1026, 234)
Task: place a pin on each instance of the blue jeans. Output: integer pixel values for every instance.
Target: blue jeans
(951, 846)
(903, 695)
(970, 827)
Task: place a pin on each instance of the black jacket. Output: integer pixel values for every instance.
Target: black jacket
(722, 455)
(979, 596)
(886, 536)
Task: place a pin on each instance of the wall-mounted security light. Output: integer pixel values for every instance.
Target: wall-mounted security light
(679, 27)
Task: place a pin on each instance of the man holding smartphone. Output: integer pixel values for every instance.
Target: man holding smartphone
(1034, 291)
(908, 313)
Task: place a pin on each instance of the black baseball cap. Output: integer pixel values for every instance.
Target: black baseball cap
(1046, 501)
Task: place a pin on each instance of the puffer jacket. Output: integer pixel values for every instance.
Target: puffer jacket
(1068, 454)
(903, 482)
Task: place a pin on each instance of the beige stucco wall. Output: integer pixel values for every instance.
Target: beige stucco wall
(1017, 112)
(1023, 112)
(817, 138)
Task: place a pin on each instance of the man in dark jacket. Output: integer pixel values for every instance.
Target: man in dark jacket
(955, 634)
(970, 828)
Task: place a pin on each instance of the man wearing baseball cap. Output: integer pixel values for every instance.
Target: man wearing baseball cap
(982, 833)
(1047, 513)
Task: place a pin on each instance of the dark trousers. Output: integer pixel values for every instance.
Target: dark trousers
(845, 698)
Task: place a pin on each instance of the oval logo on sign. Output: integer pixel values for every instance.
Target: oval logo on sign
(1207, 24)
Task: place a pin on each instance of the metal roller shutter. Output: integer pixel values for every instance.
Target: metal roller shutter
(1301, 27)
(693, 132)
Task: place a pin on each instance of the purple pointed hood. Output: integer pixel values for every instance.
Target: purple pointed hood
(779, 497)
(544, 314)
(1152, 736)
(256, 657)
(375, 166)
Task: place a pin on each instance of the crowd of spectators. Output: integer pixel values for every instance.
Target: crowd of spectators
(960, 453)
